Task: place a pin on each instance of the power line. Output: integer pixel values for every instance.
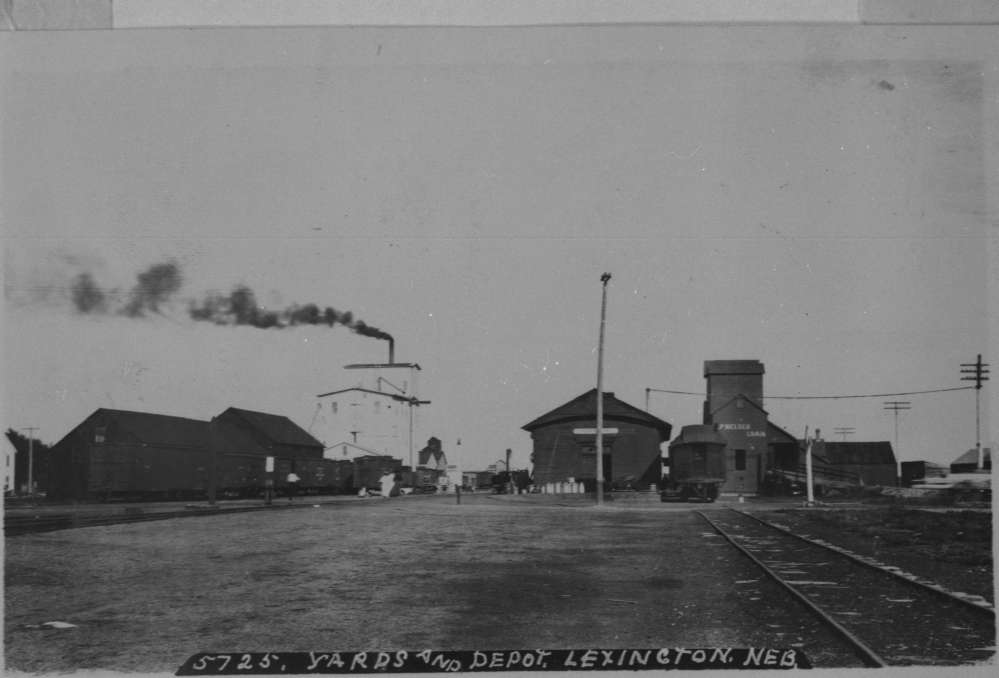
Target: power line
(822, 397)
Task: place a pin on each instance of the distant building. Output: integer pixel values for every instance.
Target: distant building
(915, 471)
(9, 458)
(873, 462)
(758, 451)
(432, 456)
(565, 443)
(968, 462)
(734, 406)
(345, 451)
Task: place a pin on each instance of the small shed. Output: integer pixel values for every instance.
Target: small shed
(873, 462)
(565, 443)
(968, 462)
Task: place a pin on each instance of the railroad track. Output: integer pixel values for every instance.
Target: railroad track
(16, 525)
(887, 618)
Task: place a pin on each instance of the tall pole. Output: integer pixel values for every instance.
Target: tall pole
(31, 459)
(600, 392)
(213, 436)
(809, 483)
(897, 406)
(977, 372)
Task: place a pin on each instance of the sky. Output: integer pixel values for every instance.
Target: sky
(821, 199)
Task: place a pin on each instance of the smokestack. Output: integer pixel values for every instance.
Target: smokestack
(391, 342)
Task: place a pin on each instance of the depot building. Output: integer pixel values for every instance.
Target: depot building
(564, 444)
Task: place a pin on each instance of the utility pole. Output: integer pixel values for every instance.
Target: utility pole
(845, 431)
(605, 278)
(31, 459)
(809, 483)
(978, 373)
(897, 406)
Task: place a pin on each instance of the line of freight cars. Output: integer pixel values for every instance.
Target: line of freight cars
(128, 473)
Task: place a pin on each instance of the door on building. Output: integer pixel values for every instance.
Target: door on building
(588, 465)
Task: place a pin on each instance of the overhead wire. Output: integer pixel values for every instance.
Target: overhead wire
(820, 397)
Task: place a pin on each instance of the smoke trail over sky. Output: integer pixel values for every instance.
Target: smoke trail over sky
(87, 296)
(240, 307)
(152, 289)
(158, 284)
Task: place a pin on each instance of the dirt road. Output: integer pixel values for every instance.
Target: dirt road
(400, 574)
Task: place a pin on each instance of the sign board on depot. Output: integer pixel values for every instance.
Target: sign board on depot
(593, 431)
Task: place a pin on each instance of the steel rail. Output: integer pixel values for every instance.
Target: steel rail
(20, 525)
(868, 656)
(986, 609)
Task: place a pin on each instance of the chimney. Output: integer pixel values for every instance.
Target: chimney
(391, 342)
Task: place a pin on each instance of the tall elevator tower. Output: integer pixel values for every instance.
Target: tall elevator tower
(734, 406)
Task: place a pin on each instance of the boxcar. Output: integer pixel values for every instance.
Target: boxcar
(368, 470)
(697, 465)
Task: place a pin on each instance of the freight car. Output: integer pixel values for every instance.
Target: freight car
(697, 465)
(369, 470)
(130, 473)
(422, 480)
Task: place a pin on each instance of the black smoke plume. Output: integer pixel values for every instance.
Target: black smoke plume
(154, 287)
(240, 307)
(157, 284)
(88, 297)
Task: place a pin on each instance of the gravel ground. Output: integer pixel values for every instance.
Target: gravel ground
(409, 573)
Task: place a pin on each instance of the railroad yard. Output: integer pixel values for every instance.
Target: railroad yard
(493, 573)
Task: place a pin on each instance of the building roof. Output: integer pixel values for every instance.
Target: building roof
(971, 457)
(859, 453)
(162, 430)
(358, 450)
(699, 433)
(584, 408)
(732, 367)
(775, 434)
(276, 428)
(738, 396)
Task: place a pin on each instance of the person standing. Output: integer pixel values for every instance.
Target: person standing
(292, 486)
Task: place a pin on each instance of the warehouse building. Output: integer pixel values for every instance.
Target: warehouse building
(121, 449)
(565, 444)
(118, 452)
